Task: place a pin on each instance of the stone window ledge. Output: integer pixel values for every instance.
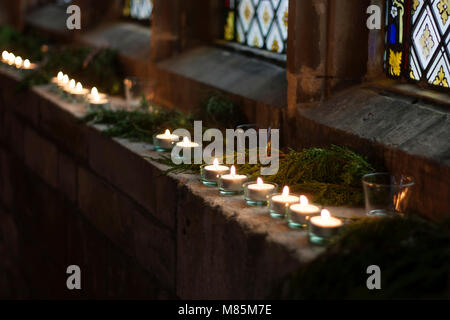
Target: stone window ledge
(197, 243)
(131, 40)
(394, 120)
(232, 72)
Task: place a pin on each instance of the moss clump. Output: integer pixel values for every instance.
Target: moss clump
(137, 125)
(219, 111)
(413, 255)
(332, 175)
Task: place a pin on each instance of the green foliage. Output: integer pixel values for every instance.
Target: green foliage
(332, 175)
(413, 254)
(221, 111)
(137, 125)
(98, 68)
(28, 46)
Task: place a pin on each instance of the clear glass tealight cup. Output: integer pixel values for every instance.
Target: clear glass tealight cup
(386, 194)
(279, 203)
(298, 214)
(232, 184)
(258, 194)
(210, 173)
(164, 142)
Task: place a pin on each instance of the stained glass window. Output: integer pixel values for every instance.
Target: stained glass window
(418, 40)
(138, 9)
(261, 24)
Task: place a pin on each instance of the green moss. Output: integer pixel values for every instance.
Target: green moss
(221, 112)
(413, 254)
(138, 125)
(331, 176)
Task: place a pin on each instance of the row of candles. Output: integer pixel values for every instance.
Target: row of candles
(74, 90)
(16, 61)
(297, 210)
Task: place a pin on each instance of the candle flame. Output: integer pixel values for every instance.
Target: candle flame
(167, 133)
(11, 58)
(60, 76)
(94, 91)
(18, 61)
(79, 87)
(216, 162)
(233, 170)
(186, 140)
(5, 55)
(286, 191)
(72, 84)
(65, 78)
(259, 181)
(303, 200)
(27, 64)
(325, 214)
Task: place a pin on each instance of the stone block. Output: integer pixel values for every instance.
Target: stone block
(64, 128)
(110, 212)
(67, 176)
(41, 156)
(132, 174)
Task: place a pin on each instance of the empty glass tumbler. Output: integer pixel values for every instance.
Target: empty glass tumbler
(386, 194)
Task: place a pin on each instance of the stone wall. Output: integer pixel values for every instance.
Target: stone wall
(69, 195)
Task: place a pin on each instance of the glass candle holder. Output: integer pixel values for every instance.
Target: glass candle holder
(165, 142)
(280, 202)
(186, 150)
(210, 173)
(79, 94)
(298, 214)
(139, 92)
(385, 194)
(257, 193)
(324, 227)
(232, 183)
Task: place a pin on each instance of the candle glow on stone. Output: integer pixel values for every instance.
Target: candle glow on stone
(27, 64)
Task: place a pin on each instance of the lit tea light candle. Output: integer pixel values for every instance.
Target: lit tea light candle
(211, 173)
(258, 193)
(165, 142)
(58, 79)
(94, 93)
(71, 85)
(18, 62)
(279, 203)
(323, 227)
(300, 213)
(79, 93)
(5, 55)
(232, 183)
(11, 59)
(95, 100)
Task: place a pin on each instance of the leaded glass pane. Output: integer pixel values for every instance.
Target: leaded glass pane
(138, 9)
(258, 23)
(418, 40)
